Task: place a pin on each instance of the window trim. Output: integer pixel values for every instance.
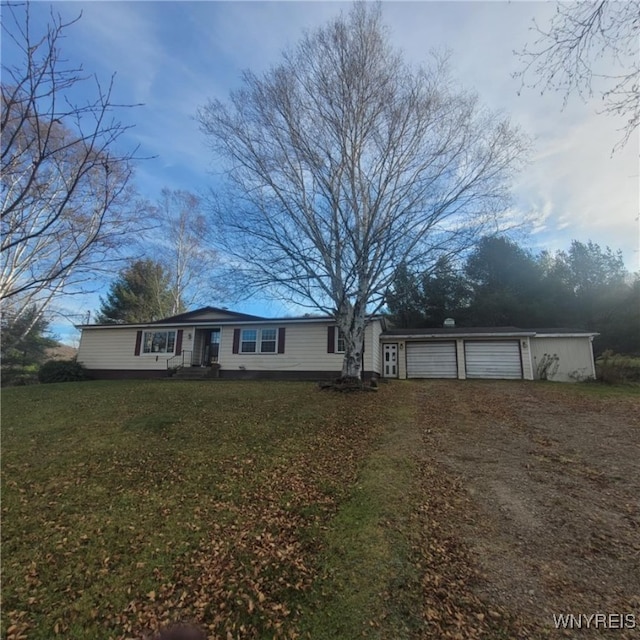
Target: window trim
(241, 350)
(258, 342)
(158, 353)
(275, 340)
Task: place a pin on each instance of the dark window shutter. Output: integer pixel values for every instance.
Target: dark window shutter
(138, 343)
(236, 340)
(281, 331)
(179, 342)
(331, 339)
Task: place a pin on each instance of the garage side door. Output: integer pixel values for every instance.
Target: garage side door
(431, 360)
(493, 359)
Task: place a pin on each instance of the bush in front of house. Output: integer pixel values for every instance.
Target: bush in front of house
(17, 376)
(61, 371)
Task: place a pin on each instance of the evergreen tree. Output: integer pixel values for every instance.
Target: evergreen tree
(505, 280)
(24, 345)
(445, 294)
(426, 299)
(141, 293)
(502, 284)
(599, 295)
(404, 299)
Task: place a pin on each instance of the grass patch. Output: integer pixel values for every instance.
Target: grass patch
(615, 369)
(127, 504)
(370, 585)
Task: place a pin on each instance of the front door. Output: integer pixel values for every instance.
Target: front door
(390, 360)
(211, 349)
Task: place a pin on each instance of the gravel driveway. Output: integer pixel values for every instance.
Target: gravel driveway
(548, 508)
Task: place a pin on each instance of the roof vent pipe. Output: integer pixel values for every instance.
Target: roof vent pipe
(449, 323)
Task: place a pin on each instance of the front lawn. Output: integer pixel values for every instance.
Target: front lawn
(129, 503)
(430, 509)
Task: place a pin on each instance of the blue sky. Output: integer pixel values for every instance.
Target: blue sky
(174, 56)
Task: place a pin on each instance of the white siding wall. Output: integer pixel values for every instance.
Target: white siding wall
(114, 349)
(198, 344)
(527, 358)
(305, 350)
(574, 357)
(372, 357)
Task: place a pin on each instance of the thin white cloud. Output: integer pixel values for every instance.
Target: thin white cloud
(174, 56)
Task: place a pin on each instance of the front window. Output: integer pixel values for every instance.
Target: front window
(159, 342)
(249, 339)
(268, 341)
(259, 341)
(340, 348)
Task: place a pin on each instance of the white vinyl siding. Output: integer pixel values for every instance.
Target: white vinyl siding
(305, 349)
(572, 358)
(372, 347)
(499, 359)
(113, 349)
(431, 360)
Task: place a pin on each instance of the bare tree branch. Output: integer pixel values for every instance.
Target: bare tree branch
(67, 204)
(344, 162)
(182, 243)
(590, 47)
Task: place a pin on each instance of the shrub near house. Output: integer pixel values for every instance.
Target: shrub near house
(61, 371)
(614, 368)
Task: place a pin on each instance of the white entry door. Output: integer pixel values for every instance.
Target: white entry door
(390, 360)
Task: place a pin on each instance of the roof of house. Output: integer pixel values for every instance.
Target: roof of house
(187, 315)
(458, 332)
(451, 330)
(191, 318)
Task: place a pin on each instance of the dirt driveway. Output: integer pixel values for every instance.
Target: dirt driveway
(542, 503)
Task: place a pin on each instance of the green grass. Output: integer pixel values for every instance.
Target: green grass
(266, 507)
(370, 584)
(616, 369)
(256, 509)
(598, 389)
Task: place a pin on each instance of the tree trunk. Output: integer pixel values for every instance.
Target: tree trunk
(352, 326)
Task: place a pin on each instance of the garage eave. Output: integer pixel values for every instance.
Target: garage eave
(450, 336)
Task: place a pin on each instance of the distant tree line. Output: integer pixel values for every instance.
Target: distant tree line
(503, 284)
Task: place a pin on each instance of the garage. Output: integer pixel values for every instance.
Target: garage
(493, 359)
(432, 360)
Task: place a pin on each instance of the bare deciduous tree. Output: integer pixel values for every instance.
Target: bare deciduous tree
(346, 162)
(590, 47)
(67, 205)
(184, 248)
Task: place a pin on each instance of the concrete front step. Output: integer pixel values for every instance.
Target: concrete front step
(194, 373)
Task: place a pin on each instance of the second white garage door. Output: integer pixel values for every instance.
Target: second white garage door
(431, 360)
(493, 359)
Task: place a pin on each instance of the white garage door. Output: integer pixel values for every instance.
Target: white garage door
(431, 360)
(493, 359)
